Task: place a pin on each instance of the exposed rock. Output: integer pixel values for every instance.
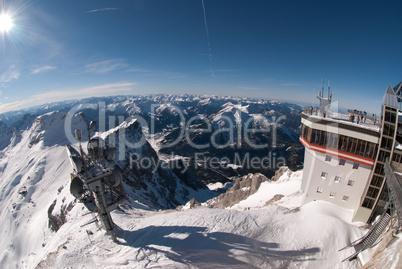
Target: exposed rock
(23, 191)
(194, 203)
(50, 260)
(57, 219)
(242, 188)
(274, 199)
(279, 173)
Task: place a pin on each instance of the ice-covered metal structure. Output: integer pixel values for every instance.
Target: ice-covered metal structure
(96, 182)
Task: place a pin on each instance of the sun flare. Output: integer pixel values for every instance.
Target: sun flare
(6, 22)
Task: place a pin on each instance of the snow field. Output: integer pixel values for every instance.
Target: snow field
(275, 236)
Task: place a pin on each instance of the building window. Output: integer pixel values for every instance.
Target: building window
(342, 161)
(355, 165)
(345, 198)
(337, 179)
(372, 192)
(386, 143)
(351, 183)
(324, 175)
(319, 189)
(332, 194)
(377, 181)
(379, 169)
(368, 203)
(383, 155)
(328, 158)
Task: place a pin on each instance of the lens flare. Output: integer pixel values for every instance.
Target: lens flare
(6, 23)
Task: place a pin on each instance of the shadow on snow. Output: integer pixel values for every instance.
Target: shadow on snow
(195, 246)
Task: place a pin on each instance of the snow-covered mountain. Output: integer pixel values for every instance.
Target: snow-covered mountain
(35, 181)
(153, 184)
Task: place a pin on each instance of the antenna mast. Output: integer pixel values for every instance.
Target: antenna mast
(313, 97)
(322, 91)
(329, 90)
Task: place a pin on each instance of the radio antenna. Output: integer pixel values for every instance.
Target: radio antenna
(322, 91)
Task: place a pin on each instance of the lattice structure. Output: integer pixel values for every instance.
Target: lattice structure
(398, 91)
(394, 185)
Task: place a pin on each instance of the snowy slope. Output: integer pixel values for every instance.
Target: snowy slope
(287, 187)
(267, 237)
(32, 176)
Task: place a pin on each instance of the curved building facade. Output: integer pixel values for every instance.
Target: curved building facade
(345, 156)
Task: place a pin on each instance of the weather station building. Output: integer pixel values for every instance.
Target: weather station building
(345, 155)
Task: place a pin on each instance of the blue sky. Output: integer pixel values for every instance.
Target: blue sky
(269, 49)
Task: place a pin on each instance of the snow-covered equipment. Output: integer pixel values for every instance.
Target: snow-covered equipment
(95, 181)
(95, 147)
(75, 159)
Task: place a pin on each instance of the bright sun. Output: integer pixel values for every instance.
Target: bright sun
(6, 23)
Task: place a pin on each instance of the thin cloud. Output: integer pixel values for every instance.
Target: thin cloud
(102, 9)
(42, 39)
(11, 74)
(105, 66)
(140, 70)
(42, 69)
(157, 73)
(54, 96)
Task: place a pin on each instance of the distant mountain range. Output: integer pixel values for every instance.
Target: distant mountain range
(200, 129)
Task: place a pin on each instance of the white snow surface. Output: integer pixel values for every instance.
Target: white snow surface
(288, 185)
(262, 237)
(205, 238)
(219, 185)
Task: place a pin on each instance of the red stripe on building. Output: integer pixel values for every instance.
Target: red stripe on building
(336, 153)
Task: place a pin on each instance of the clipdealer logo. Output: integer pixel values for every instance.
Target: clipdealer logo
(236, 132)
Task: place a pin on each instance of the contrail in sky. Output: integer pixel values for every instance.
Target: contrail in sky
(209, 45)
